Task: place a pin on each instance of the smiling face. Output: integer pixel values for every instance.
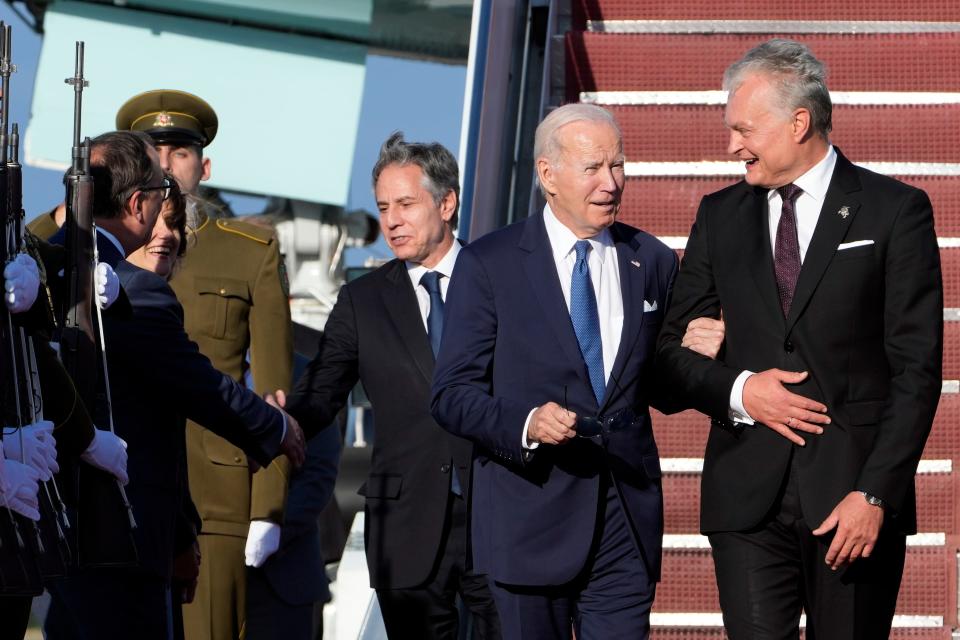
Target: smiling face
(413, 224)
(769, 138)
(159, 254)
(585, 182)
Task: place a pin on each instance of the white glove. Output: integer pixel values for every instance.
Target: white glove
(21, 283)
(21, 495)
(39, 447)
(263, 540)
(107, 284)
(108, 452)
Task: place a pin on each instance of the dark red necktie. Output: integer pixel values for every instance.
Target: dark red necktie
(786, 251)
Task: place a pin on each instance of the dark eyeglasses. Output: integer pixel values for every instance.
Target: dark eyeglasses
(166, 184)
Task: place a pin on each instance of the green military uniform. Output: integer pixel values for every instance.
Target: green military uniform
(44, 226)
(233, 291)
(229, 284)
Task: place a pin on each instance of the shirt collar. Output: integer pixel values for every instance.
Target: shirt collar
(112, 238)
(816, 180)
(562, 239)
(444, 267)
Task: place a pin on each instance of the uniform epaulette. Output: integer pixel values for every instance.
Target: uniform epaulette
(247, 230)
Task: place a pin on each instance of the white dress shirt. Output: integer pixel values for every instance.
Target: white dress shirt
(814, 183)
(444, 267)
(605, 276)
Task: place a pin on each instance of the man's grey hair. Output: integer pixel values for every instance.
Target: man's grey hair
(546, 141)
(441, 175)
(800, 79)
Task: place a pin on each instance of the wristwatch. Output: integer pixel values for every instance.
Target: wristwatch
(873, 500)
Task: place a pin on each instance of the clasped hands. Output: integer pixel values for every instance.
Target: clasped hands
(294, 444)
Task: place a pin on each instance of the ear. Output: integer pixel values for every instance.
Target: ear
(206, 169)
(448, 205)
(134, 205)
(546, 174)
(800, 124)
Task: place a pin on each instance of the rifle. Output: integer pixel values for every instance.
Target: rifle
(18, 558)
(105, 519)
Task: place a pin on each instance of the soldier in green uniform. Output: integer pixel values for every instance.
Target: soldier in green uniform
(233, 289)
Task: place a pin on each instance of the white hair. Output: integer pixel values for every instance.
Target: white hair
(799, 79)
(546, 143)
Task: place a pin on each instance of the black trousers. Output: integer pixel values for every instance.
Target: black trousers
(430, 612)
(105, 603)
(14, 616)
(767, 575)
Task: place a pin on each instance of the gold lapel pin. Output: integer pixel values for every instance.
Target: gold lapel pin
(844, 211)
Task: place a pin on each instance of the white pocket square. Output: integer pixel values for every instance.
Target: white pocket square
(855, 243)
(649, 306)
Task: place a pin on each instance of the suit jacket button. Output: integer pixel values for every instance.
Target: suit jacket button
(788, 346)
(445, 468)
(237, 459)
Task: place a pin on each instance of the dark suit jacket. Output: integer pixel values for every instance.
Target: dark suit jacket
(509, 346)
(157, 377)
(866, 322)
(296, 570)
(375, 334)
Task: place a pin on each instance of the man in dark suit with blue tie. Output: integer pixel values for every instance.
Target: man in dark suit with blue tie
(385, 331)
(546, 366)
(157, 378)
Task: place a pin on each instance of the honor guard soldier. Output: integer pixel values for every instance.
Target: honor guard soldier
(233, 289)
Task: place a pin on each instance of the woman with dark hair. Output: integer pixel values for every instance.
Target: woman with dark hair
(168, 241)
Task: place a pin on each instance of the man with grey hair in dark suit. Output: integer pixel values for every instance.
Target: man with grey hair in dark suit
(385, 332)
(828, 279)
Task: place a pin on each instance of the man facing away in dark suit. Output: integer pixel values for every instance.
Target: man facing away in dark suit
(385, 331)
(546, 366)
(828, 278)
(157, 377)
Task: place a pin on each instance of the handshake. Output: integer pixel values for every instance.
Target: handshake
(29, 456)
(294, 445)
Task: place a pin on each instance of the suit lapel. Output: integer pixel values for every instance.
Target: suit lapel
(541, 272)
(632, 285)
(404, 312)
(831, 228)
(754, 224)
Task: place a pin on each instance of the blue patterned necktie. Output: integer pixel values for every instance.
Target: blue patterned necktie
(431, 282)
(586, 320)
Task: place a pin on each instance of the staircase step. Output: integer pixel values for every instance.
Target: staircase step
(661, 62)
(932, 10)
(667, 206)
(951, 344)
(717, 633)
(938, 502)
(694, 133)
(944, 440)
(689, 583)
